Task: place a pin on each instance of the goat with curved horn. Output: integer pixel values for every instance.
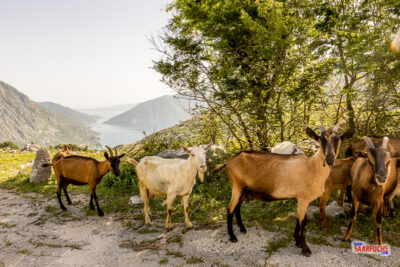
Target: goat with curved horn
(335, 128)
(369, 143)
(116, 152)
(109, 149)
(385, 142)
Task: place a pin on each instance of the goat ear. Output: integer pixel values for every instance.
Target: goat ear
(209, 146)
(312, 134)
(106, 155)
(186, 149)
(348, 134)
(120, 156)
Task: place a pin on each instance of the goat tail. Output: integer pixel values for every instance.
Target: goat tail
(134, 162)
(218, 167)
(46, 165)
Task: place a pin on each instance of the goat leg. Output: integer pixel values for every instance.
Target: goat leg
(296, 234)
(59, 185)
(99, 211)
(91, 202)
(352, 221)
(377, 215)
(185, 200)
(239, 218)
(66, 195)
(302, 206)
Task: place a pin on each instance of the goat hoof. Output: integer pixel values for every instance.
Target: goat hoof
(306, 252)
(233, 239)
(346, 240)
(92, 208)
(243, 230)
(189, 226)
(64, 208)
(298, 244)
(100, 213)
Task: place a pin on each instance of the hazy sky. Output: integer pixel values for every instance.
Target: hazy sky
(81, 53)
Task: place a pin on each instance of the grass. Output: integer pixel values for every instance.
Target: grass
(194, 260)
(274, 246)
(176, 254)
(6, 225)
(163, 261)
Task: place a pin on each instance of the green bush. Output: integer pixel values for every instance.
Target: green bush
(9, 144)
(126, 180)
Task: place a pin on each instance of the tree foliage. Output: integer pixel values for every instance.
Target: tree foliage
(266, 69)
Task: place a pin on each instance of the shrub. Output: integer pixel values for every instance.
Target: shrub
(9, 144)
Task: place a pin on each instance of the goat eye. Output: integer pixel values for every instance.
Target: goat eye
(193, 155)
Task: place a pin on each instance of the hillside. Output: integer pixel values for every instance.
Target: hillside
(153, 115)
(24, 121)
(74, 115)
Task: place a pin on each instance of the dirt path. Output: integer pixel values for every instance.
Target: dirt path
(33, 232)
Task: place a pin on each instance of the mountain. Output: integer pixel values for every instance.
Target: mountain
(24, 121)
(155, 114)
(106, 113)
(74, 115)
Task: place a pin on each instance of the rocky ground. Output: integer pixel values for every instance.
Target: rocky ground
(33, 232)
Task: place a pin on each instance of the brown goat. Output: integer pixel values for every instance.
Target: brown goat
(371, 178)
(270, 177)
(359, 147)
(78, 170)
(339, 178)
(67, 151)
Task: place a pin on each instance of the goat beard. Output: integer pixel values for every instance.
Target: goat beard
(201, 175)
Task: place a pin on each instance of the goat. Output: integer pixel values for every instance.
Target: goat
(272, 177)
(339, 178)
(358, 147)
(171, 178)
(79, 170)
(286, 147)
(372, 178)
(67, 151)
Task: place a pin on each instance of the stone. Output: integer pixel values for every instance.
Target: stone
(39, 173)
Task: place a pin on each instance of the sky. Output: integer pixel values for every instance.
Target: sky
(82, 53)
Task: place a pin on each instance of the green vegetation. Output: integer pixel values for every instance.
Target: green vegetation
(163, 261)
(9, 144)
(194, 260)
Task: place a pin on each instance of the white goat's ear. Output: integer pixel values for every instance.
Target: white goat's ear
(186, 149)
(209, 146)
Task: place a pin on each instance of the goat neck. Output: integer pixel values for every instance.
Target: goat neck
(103, 167)
(191, 168)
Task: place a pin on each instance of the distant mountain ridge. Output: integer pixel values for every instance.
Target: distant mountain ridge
(77, 116)
(24, 121)
(155, 114)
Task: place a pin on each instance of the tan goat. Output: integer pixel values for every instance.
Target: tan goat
(372, 178)
(339, 178)
(272, 177)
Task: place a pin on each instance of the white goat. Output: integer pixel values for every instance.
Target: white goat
(286, 147)
(171, 178)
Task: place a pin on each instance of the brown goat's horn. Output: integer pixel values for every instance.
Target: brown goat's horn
(335, 128)
(116, 152)
(369, 143)
(322, 128)
(385, 142)
(111, 153)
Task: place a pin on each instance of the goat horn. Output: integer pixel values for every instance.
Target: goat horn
(385, 142)
(322, 128)
(335, 128)
(369, 143)
(109, 149)
(116, 152)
